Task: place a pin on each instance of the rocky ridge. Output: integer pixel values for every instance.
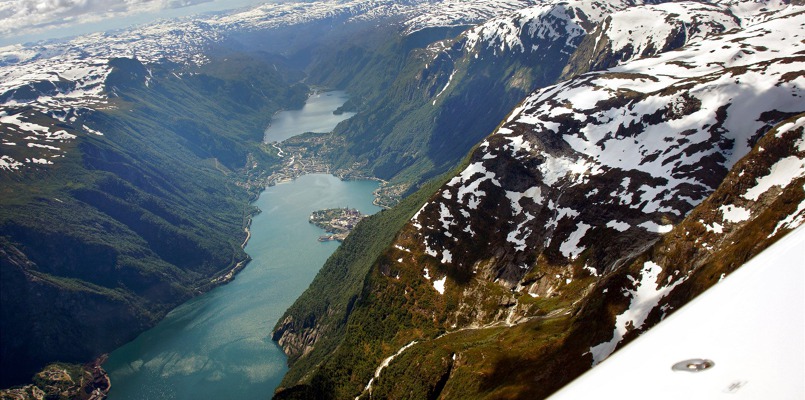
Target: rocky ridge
(589, 211)
(586, 176)
(659, 134)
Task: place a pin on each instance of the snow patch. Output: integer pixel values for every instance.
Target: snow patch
(439, 285)
(618, 225)
(652, 226)
(715, 228)
(9, 164)
(646, 295)
(447, 257)
(782, 173)
(734, 213)
(792, 221)
(570, 248)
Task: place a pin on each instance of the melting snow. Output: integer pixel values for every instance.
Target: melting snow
(782, 173)
(652, 226)
(618, 225)
(398, 247)
(447, 257)
(385, 364)
(715, 228)
(439, 285)
(534, 193)
(570, 247)
(734, 214)
(645, 297)
(8, 163)
(470, 186)
(555, 168)
(792, 221)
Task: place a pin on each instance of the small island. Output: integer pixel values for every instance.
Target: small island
(337, 222)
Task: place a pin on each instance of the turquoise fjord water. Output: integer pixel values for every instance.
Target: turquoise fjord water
(218, 345)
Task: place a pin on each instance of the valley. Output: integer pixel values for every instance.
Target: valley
(556, 178)
(218, 344)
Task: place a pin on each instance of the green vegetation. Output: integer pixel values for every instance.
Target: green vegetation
(100, 245)
(420, 112)
(333, 294)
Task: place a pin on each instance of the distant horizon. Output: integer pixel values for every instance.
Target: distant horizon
(94, 22)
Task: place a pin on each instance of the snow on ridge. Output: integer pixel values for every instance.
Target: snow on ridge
(540, 21)
(462, 12)
(793, 220)
(652, 226)
(645, 296)
(696, 88)
(782, 173)
(659, 130)
(734, 214)
(641, 27)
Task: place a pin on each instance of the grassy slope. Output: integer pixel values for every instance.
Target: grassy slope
(330, 304)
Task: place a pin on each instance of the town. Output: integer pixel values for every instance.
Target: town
(337, 222)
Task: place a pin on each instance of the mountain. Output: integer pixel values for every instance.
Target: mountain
(113, 215)
(129, 158)
(599, 205)
(425, 114)
(125, 187)
(639, 151)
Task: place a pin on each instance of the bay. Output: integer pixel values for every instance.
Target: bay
(218, 345)
(316, 116)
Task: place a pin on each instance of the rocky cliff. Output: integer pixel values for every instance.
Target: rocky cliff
(599, 206)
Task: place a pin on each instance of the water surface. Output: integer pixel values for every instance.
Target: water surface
(218, 346)
(316, 116)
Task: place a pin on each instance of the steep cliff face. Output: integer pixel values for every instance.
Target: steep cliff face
(430, 115)
(630, 150)
(600, 205)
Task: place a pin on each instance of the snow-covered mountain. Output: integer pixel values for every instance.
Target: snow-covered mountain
(654, 148)
(50, 83)
(666, 129)
(586, 175)
(601, 204)
(507, 57)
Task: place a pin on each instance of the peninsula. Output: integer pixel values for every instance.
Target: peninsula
(337, 222)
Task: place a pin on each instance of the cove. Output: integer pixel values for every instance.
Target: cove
(316, 116)
(218, 345)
